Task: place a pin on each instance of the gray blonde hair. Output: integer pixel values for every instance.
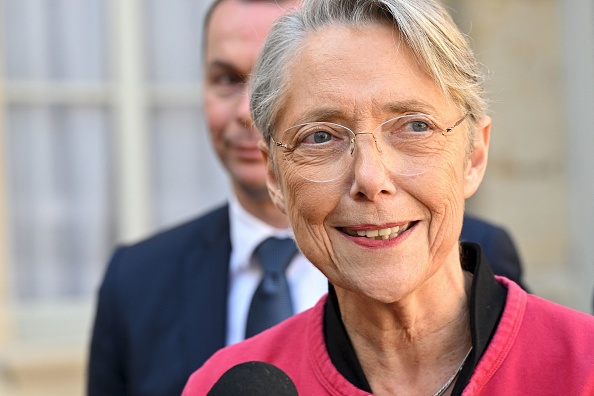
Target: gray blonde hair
(424, 25)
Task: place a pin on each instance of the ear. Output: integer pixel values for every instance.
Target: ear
(274, 188)
(477, 161)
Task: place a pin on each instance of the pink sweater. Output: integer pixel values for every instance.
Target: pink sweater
(539, 348)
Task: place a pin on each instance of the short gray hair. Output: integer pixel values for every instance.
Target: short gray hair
(424, 25)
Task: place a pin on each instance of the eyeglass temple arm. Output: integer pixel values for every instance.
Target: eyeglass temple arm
(448, 130)
(279, 144)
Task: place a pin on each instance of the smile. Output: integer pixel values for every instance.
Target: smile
(380, 233)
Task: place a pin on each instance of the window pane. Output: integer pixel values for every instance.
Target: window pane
(59, 201)
(188, 176)
(174, 39)
(56, 40)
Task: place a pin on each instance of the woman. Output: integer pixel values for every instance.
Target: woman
(375, 132)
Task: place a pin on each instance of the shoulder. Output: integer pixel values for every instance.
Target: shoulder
(176, 241)
(191, 232)
(534, 339)
(478, 230)
(559, 320)
(547, 331)
(157, 260)
(546, 317)
(498, 246)
(286, 346)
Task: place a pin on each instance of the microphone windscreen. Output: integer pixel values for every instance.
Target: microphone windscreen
(254, 379)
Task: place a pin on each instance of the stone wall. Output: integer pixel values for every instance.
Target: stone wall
(521, 44)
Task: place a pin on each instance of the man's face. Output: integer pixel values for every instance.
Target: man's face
(235, 35)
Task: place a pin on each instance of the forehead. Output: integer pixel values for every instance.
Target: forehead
(357, 72)
(238, 29)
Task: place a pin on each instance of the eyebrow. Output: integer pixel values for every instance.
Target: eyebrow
(219, 63)
(393, 108)
(321, 114)
(222, 65)
(410, 106)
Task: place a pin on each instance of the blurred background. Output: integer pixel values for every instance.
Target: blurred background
(102, 142)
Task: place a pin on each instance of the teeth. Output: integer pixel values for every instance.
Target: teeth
(380, 234)
(385, 231)
(371, 233)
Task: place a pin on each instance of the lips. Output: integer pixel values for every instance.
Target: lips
(378, 234)
(248, 151)
(243, 143)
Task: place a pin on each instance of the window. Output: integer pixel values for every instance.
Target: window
(104, 142)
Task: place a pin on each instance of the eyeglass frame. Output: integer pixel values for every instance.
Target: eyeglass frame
(352, 140)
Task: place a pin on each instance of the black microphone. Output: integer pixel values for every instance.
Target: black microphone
(254, 379)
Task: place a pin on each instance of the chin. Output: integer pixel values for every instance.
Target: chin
(256, 192)
(382, 289)
(388, 295)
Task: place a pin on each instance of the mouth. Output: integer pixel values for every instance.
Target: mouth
(378, 234)
(248, 151)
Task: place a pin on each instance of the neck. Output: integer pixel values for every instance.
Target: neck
(424, 338)
(259, 205)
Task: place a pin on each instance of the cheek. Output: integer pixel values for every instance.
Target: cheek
(304, 198)
(443, 186)
(218, 116)
(309, 204)
(441, 192)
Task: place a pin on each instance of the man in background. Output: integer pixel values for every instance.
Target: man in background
(168, 303)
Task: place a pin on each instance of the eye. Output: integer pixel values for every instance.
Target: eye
(319, 133)
(317, 137)
(415, 125)
(225, 82)
(419, 126)
(228, 79)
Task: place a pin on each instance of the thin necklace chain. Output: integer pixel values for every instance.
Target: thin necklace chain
(447, 384)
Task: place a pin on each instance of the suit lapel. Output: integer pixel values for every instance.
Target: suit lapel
(204, 289)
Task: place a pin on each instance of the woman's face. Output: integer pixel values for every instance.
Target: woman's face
(360, 78)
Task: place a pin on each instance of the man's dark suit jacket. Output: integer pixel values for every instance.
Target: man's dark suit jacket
(163, 303)
(497, 246)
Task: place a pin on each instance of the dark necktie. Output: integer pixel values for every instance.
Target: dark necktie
(271, 302)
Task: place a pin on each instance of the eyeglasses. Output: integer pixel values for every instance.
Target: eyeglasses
(323, 151)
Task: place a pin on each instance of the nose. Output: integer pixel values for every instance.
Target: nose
(371, 178)
(243, 109)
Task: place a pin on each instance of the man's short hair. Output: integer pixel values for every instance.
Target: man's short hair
(214, 4)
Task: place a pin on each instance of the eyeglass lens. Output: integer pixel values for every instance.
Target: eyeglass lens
(323, 151)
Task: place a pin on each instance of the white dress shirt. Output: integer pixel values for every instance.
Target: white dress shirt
(306, 282)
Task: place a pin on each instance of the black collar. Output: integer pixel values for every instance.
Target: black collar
(487, 301)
